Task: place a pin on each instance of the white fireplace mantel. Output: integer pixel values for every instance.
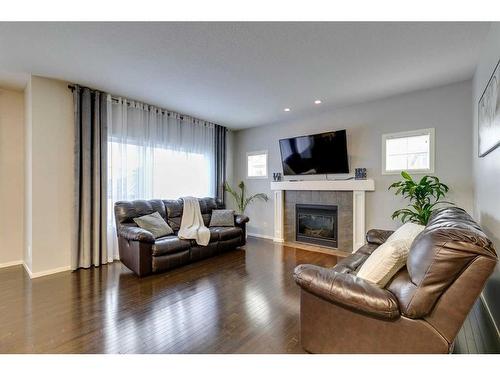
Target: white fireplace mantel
(358, 187)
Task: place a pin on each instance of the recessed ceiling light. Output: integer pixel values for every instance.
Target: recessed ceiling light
(287, 110)
(317, 101)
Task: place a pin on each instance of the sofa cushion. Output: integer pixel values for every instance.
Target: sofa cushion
(407, 232)
(384, 262)
(206, 207)
(214, 234)
(214, 237)
(126, 211)
(222, 218)
(227, 233)
(169, 245)
(155, 224)
(174, 209)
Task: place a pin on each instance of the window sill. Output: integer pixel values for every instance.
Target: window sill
(257, 178)
(410, 171)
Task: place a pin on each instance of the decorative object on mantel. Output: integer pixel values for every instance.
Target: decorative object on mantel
(489, 115)
(239, 197)
(360, 173)
(423, 195)
(277, 176)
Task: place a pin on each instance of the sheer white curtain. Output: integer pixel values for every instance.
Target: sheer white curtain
(156, 154)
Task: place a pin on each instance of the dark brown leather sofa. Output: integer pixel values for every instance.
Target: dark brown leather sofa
(144, 255)
(422, 308)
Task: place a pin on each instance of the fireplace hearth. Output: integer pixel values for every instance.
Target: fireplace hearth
(316, 224)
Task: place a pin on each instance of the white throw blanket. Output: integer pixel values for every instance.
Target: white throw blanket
(192, 226)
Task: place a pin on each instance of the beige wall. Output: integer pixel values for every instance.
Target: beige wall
(11, 176)
(447, 109)
(50, 175)
(27, 175)
(487, 169)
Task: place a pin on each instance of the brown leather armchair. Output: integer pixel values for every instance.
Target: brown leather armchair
(422, 308)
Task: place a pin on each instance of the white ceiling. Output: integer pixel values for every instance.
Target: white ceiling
(243, 74)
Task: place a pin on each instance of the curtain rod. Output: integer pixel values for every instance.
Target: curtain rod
(163, 111)
(117, 99)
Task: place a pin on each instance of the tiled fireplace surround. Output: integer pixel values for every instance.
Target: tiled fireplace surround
(347, 195)
(341, 199)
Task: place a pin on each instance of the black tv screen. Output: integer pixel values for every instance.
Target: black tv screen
(315, 154)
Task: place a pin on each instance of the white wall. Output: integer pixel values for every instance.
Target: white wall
(487, 169)
(50, 175)
(11, 176)
(447, 109)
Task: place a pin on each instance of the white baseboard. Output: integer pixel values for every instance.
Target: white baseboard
(27, 269)
(10, 264)
(34, 275)
(260, 236)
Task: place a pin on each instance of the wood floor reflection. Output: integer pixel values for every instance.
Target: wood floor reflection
(244, 301)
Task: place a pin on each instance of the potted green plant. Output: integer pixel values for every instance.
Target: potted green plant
(240, 199)
(423, 195)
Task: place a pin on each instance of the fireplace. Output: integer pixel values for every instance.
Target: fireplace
(316, 224)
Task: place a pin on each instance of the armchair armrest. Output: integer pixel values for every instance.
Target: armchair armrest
(378, 236)
(347, 290)
(135, 234)
(241, 219)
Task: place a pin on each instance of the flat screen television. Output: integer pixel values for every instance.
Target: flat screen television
(323, 153)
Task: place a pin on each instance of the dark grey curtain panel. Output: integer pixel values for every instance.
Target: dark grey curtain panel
(90, 171)
(220, 161)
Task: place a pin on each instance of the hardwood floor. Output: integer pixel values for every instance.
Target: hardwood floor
(239, 302)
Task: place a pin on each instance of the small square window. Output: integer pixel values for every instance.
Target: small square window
(257, 164)
(408, 151)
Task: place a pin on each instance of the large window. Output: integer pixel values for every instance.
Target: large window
(408, 151)
(177, 174)
(156, 154)
(257, 164)
(137, 172)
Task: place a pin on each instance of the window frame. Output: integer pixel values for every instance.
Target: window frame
(252, 153)
(411, 133)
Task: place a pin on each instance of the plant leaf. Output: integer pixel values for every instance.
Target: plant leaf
(406, 176)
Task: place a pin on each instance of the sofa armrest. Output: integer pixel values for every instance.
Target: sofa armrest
(378, 236)
(241, 219)
(135, 234)
(347, 290)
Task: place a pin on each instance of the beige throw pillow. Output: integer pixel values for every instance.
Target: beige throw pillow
(407, 232)
(384, 262)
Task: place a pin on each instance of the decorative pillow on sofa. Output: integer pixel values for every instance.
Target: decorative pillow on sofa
(384, 262)
(155, 224)
(222, 218)
(407, 232)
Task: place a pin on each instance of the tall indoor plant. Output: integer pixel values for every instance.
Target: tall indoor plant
(423, 195)
(239, 197)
